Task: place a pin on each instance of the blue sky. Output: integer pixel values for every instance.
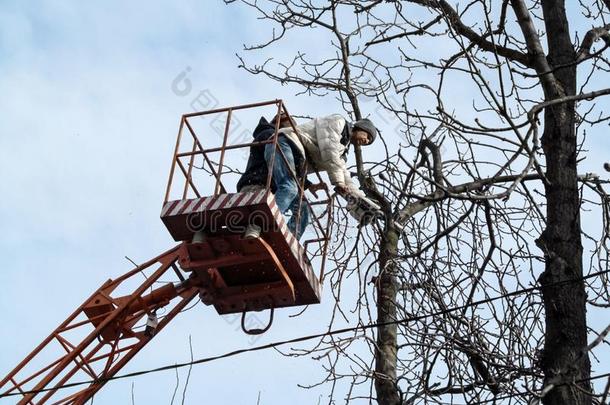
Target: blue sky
(87, 130)
(87, 124)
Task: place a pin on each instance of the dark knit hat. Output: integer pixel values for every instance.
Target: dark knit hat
(367, 126)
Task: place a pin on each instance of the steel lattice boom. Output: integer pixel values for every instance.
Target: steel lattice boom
(215, 259)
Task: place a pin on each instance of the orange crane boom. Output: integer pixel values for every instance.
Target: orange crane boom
(101, 336)
(235, 273)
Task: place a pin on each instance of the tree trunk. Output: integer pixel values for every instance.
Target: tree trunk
(386, 350)
(565, 305)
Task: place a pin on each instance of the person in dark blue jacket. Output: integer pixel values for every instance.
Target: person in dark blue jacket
(254, 177)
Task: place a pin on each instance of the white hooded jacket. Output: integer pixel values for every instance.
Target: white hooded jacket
(321, 138)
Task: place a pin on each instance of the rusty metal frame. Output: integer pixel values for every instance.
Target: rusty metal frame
(108, 340)
(322, 231)
(106, 331)
(98, 339)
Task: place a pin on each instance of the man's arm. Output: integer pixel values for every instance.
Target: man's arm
(348, 186)
(328, 134)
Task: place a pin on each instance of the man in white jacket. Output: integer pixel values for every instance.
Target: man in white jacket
(323, 143)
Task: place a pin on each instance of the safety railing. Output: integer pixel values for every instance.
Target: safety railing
(211, 153)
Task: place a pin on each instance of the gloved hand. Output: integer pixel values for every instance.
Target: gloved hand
(341, 189)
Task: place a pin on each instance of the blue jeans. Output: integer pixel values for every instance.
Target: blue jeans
(287, 190)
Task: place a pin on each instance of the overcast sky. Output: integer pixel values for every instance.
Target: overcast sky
(87, 125)
(88, 118)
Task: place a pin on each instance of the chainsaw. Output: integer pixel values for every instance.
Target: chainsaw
(363, 209)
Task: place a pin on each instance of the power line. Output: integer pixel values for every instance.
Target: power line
(103, 380)
(522, 393)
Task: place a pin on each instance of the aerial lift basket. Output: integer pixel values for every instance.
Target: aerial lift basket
(220, 266)
(238, 274)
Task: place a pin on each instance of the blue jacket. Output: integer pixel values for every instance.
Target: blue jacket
(256, 168)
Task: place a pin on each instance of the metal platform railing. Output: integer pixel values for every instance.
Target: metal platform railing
(209, 136)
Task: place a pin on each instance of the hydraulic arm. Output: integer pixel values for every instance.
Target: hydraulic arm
(102, 335)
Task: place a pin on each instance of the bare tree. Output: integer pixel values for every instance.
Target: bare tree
(477, 201)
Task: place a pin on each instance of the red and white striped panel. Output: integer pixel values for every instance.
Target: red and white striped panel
(295, 246)
(225, 201)
(221, 201)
